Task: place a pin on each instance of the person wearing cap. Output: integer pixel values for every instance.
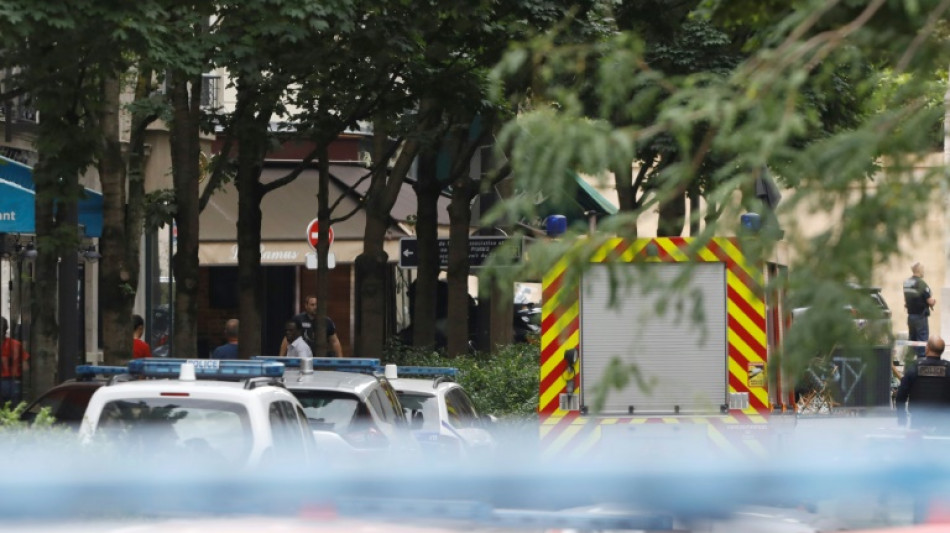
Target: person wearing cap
(919, 301)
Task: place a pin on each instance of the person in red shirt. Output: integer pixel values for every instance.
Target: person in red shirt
(14, 360)
(140, 348)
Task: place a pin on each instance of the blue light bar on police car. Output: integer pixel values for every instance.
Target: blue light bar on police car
(426, 371)
(351, 364)
(206, 368)
(88, 371)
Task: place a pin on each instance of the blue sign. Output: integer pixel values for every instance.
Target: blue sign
(18, 202)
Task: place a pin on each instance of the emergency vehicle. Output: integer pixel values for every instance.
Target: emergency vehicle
(699, 357)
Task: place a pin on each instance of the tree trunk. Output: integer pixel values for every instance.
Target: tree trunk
(323, 273)
(672, 216)
(372, 263)
(694, 207)
(44, 329)
(427, 275)
(135, 206)
(117, 288)
(250, 160)
(460, 217)
(627, 194)
(185, 151)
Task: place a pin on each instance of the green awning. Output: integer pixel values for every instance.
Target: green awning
(578, 205)
(591, 200)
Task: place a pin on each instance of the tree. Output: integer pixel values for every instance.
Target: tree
(774, 110)
(69, 60)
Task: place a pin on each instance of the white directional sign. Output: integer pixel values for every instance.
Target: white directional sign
(479, 248)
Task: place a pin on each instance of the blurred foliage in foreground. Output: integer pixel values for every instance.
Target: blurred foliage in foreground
(838, 102)
(504, 383)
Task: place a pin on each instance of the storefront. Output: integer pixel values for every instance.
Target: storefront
(287, 211)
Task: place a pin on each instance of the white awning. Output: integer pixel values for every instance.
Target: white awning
(285, 252)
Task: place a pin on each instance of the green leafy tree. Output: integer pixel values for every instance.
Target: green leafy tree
(68, 59)
(794, 104)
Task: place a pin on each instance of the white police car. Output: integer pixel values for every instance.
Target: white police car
(442, 416)
(351, 408)
(237, 415)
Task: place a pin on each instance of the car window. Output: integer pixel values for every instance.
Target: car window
(460, 409)
(309, 444)
(378, 404)
(286, 430)
(328, 410)
(392, 402)
(418, 406)
(214, 431)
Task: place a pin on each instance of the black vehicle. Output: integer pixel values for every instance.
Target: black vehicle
(67, 402)
(871, 314)
(868, 310)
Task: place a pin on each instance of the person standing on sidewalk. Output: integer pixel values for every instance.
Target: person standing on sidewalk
(140, 348)
(14, 360)
(228, 350)
(307, 321)
(919, 301)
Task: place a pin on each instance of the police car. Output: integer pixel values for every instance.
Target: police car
(233, 414)
(349, 406)
(442, 416)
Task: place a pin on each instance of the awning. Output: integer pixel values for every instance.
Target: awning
(18, 202)
(285, 252)
(286, 213)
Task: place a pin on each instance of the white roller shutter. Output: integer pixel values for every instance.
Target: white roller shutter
(684, 359)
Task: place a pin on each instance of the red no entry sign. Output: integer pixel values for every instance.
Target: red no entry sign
(313, 235)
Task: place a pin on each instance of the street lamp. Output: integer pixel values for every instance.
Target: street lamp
(89, 254)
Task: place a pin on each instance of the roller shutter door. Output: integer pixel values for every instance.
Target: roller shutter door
(682, 357)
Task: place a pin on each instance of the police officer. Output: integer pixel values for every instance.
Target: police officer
(926, 385)
(918, 301)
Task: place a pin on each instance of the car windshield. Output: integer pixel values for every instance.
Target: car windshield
(214, 431)
(420, 406)
(330, 410)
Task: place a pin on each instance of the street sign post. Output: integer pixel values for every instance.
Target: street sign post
(479, 248)
(313, 235)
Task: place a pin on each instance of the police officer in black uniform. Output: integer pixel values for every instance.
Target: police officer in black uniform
(926, 385)
(918, 301)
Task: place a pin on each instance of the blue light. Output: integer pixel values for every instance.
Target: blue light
(206, 368)
(348, 364)
(555, 225)
(88, 371)
(426, 371)
(751, 222)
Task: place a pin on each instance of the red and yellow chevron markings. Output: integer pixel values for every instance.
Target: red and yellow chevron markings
(746, 337)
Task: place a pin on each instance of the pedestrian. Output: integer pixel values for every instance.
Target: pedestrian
(14, 360)
(306, 321)
(924, 390)
(918, 301)
(228, 350)
(296, 345)
(140, 348)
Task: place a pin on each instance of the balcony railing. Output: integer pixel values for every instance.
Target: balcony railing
(20, 109)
